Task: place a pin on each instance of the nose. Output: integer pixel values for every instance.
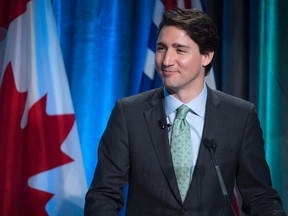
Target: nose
(168, 59)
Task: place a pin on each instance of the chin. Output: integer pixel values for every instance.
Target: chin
(170, 88)
(168, 82)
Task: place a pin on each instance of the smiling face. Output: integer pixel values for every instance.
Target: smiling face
(180, 64)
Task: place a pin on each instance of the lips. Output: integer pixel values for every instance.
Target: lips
(168, 72)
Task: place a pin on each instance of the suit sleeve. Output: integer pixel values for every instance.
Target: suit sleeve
(253, 178)
(105, 195)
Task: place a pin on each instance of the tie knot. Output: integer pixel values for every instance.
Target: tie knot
(182, 112)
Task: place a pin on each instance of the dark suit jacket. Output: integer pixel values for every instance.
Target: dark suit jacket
(135, 149)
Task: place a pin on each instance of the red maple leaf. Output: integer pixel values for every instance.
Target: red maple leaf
(10, 10)
(25, 152)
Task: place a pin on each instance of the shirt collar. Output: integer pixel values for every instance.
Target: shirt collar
(197, 105)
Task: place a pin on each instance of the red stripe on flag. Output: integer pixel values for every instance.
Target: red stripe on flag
(187, 4)
(170, 4)
(10, 10)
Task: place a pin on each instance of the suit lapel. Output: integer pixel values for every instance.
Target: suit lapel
(159, 138)
(214, 116)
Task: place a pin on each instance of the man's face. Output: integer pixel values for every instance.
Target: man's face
(179, 62)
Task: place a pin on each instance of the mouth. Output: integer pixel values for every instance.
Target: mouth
(168, 72)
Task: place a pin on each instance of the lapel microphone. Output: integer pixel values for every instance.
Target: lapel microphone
(211, 145)
(163, 124)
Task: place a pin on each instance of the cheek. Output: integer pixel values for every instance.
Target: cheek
(187, 63)
(158, 61)
(197, 60)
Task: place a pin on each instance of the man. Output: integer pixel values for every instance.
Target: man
(144, 139)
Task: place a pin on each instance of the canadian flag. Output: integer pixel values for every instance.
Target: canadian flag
(41, 163)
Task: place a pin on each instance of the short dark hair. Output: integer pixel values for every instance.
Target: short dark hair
(200, 28)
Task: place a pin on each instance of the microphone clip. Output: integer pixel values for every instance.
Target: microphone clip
(163, 124)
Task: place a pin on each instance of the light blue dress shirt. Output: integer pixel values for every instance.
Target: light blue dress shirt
(195, 119)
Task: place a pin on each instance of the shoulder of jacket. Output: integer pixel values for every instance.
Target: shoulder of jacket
(232, 101)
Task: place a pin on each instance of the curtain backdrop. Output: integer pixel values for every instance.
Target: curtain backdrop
(104, 48)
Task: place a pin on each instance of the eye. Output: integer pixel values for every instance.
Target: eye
(180, 50)
(160, 49)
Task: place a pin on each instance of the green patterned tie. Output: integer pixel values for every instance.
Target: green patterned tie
(181, 150)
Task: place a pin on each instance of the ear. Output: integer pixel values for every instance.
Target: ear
(207, 58)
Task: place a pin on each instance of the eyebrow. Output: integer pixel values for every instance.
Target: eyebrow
(175, 45)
